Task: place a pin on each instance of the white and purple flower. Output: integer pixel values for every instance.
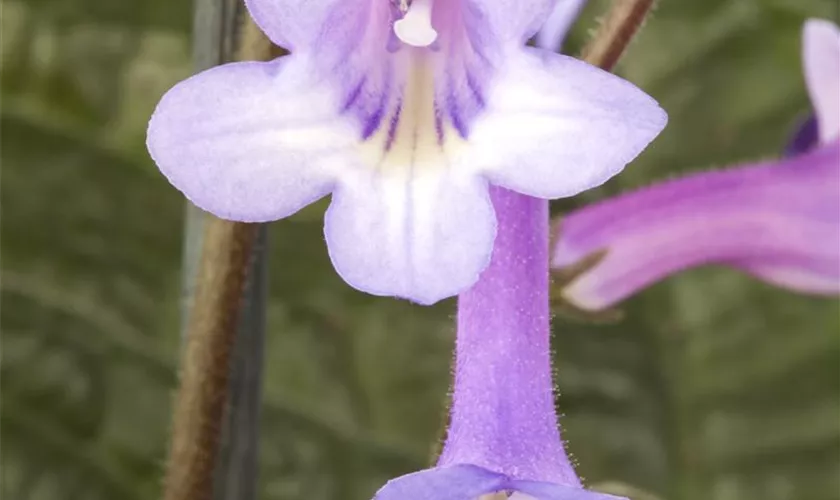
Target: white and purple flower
(777, 220)
(406, 111)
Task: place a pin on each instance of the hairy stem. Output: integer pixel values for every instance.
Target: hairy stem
(624, 19)
(203, 393)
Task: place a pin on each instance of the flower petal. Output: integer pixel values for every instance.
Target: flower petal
(424, 235)
(250, 141)
(512, 20)
(821, 60)
(555, 126)
(558, 23)
(779, 221)
(295, 24)
(457, 482)
(551, 491)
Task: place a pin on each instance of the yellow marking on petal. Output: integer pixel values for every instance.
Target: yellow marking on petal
(415, 147)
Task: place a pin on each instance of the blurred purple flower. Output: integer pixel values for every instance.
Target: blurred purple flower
(777, 220)
(503, 433)
(404, 111)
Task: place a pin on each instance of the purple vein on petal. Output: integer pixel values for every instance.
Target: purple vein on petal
(392, 126)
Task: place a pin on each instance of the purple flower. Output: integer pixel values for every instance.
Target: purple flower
(503, 433)
(777, 220)
(405, 111)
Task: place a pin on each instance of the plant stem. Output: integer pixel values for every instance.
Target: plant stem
(203, 394)
(624, 19)
(237, 467)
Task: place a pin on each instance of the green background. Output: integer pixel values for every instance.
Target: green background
(713, 387)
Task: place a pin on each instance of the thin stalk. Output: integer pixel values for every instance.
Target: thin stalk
(624, 19)
(203, 392)
(237, 467)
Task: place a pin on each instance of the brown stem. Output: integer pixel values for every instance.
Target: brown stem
(205, 364)
(618, 27)
(202, 396)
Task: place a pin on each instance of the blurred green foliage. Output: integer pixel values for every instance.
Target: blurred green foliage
(714, 387)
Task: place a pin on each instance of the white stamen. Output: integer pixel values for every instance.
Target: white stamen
(415, 28)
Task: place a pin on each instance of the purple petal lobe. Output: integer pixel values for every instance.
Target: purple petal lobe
(821, 60)
(551, 491)
(511, 20)
(779, 221)
(555, 126)
(558, 23)
(457, 482)
(301, 24)
(502, 415)
(250, 141)
(418, 233)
